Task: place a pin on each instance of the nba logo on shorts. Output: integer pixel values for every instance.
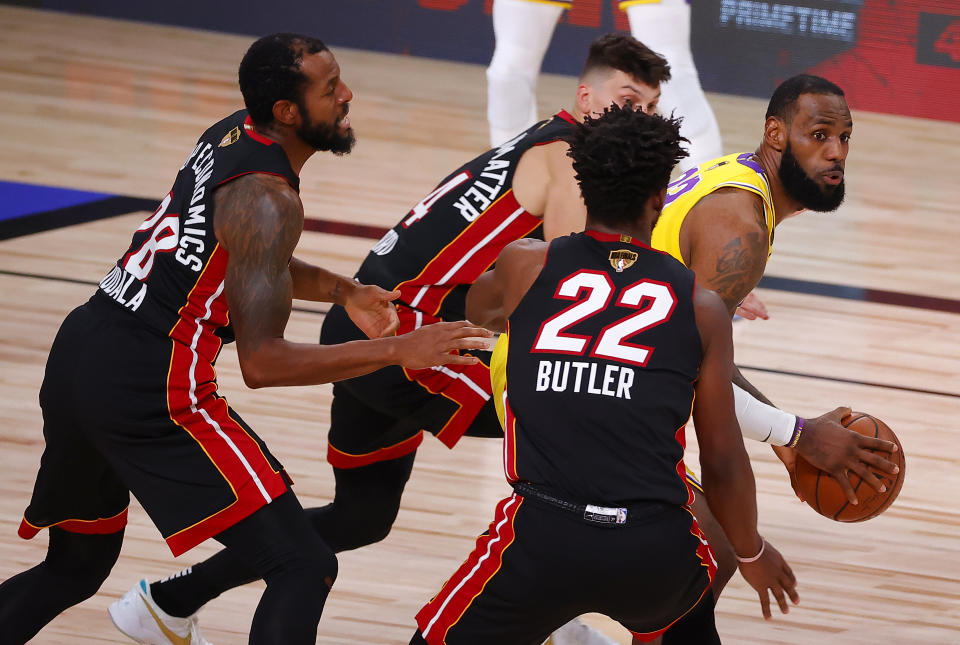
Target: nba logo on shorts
(621, 516)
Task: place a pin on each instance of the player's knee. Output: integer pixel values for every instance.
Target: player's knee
(81, 563)
(513, 62)
(370, 528)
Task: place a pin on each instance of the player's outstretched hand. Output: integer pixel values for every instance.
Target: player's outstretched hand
(371, 309)
(437, 344)
(768, 574)
(752, 308)
(829, 446)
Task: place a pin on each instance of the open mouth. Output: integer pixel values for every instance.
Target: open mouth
(833, 177)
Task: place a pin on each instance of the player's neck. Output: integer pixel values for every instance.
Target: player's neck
(639, 231)
(784, 206)
(297, 151)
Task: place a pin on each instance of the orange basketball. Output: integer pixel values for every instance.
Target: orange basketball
(826, 497)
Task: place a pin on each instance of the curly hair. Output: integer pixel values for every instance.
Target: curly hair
(630, 56)
(621, 159)
(783, 103)
(271, 71)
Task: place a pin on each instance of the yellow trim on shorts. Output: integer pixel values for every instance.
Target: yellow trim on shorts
(632, 3)
(693, 480)
(559, 3)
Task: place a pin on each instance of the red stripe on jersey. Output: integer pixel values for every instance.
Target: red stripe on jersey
(469, 254)
(193, 404)
(681, 437)
(100, 526)
(340, 459)
(207, 306)
(447, 607)
(466, 385)
(253, 134)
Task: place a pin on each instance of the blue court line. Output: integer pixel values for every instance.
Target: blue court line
(19, 199)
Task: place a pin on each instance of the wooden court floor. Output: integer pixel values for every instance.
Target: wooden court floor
(115, 107)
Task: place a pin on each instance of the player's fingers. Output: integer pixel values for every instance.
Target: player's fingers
(781, 598)
(789, 576)
(764, 603)
(872, 443)
(391, 328)
(745, 313)
(390, 295)
(841, 412)
(790, 587)
(840, 476)
(472, 343)
(873, 480)
(878, 462)
(457, 359)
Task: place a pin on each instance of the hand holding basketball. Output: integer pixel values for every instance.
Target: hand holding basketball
(831, 499)
(827, 444)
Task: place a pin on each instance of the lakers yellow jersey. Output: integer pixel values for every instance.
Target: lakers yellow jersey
(739, 170)
(498, 375)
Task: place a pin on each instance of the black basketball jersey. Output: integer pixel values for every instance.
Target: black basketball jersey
(171, 277)
(603, 354)
(457, 231)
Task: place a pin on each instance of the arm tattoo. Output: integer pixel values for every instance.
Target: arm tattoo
(739, 268)
(258, 220)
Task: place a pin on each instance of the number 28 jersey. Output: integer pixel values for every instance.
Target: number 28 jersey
(600, 369)
(172, 275)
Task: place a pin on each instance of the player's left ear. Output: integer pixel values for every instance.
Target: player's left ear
(584, 93)
(775, 133)
(286, 112)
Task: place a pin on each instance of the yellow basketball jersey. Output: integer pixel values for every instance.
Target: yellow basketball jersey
(739, 170)
(498, 375)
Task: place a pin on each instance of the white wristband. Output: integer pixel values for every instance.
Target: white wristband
(763, 422)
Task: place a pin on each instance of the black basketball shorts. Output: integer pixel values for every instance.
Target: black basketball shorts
(382, 415)
(537, 567)
(128, 410)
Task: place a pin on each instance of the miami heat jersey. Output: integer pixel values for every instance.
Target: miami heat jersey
(600, 369)
(171, 277)
(739, 170)
(457, 231)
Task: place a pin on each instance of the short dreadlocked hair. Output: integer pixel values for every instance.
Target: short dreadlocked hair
(627, 54)
(271, 71)
(621, 159)
(783, 103)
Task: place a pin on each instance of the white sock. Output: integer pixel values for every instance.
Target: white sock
(523, 30)
(664, 27)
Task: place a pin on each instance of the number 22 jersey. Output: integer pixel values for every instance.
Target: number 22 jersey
(600, 369)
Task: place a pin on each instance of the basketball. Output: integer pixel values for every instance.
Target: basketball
(826, 497)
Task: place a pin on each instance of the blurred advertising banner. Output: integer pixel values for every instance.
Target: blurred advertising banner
(895, 56)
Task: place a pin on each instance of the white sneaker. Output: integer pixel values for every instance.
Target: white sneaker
(578, 633)
(138, 617)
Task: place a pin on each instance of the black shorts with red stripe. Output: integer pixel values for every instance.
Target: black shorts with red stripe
(125, 409)
(382, 415)
(539, 566)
